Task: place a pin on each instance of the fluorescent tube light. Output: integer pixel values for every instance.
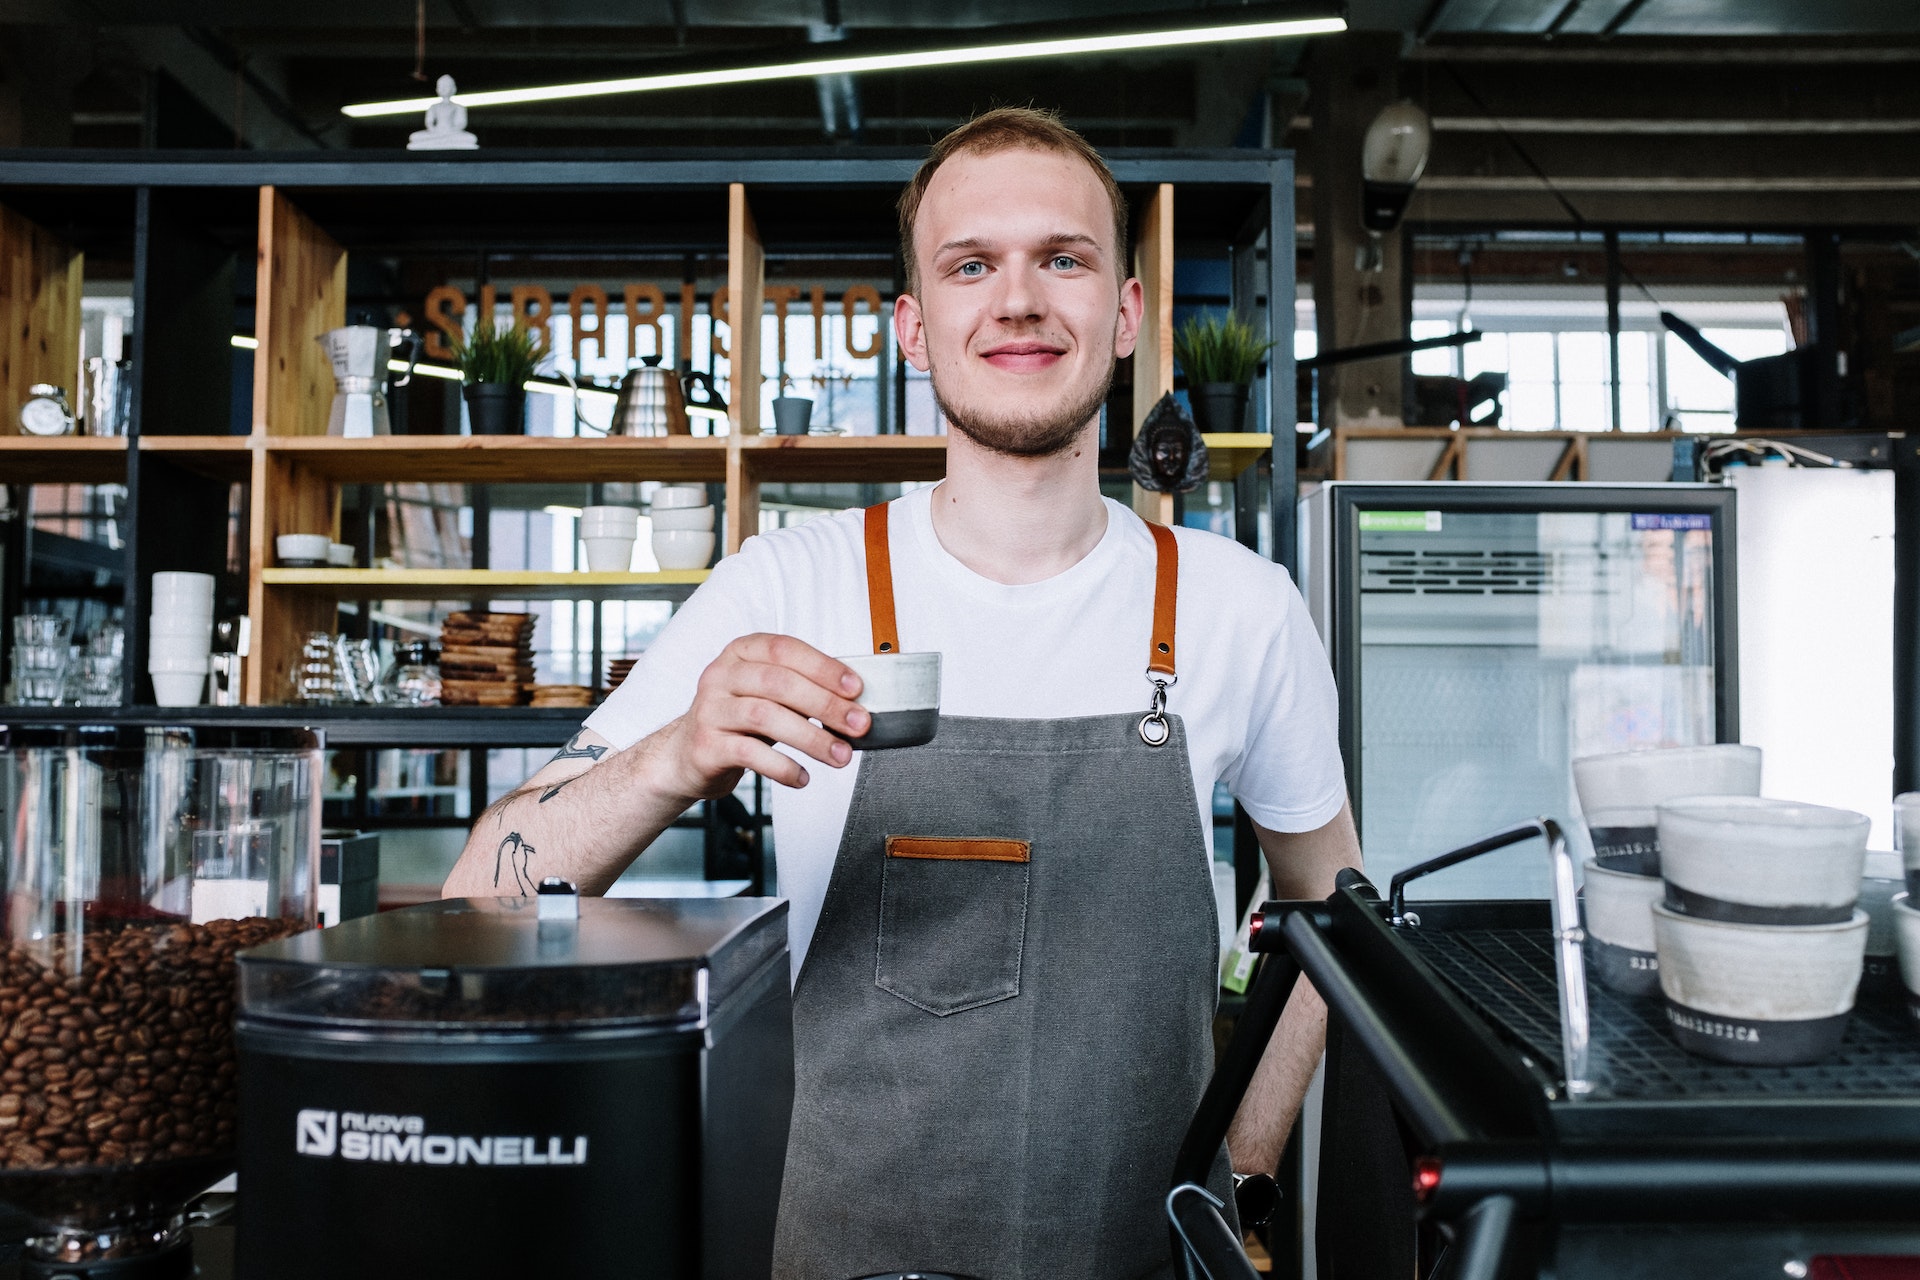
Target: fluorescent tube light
(1181, 36)
(245, 343)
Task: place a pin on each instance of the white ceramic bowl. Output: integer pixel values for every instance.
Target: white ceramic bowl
(1619, 923)
(188, 585)
(302, 546)
(340, 555)
(174, 689)
(182, 625)
(901, 691)
(609, 521)
(1758, 993)
(1619, 793)
(1763, 861)
(179, 647)
(683, 518)
(180, 663)
(672, 497)
(609, 555)
(682, 548)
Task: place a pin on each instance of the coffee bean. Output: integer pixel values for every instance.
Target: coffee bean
(130, 1058)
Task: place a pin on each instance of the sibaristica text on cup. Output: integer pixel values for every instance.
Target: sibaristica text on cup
(386, 1139)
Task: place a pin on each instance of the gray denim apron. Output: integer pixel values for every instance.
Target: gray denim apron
(1004, 1021)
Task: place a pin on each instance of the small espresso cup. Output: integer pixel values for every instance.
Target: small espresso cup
(901, 691)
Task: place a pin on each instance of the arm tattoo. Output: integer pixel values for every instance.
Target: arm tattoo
(572, 751)
(515, 853)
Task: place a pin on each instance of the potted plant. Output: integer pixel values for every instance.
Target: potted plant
(1220, 355)
(495, 364)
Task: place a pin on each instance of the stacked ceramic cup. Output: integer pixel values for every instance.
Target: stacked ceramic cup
(608, 533)
(180, 637)
(1619, 797)
(682, 526)
(1906, 919)
(1760, 937)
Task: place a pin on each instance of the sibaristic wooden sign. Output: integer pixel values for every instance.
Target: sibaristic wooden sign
(588, 306)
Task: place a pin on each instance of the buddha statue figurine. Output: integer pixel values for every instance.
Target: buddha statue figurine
(446, 124)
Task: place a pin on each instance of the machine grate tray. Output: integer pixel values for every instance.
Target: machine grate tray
(1508, 976)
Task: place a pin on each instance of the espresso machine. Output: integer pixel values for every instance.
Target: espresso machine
(360, 354)
(497, 1088)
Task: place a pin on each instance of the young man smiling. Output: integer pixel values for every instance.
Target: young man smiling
(1004, 941)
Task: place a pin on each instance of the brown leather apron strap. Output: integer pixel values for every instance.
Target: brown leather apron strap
(886, 632)
(1166, 582)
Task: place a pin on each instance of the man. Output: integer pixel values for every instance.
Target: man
(1005, 941)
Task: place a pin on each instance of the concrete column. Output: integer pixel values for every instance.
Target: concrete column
(1352, 77)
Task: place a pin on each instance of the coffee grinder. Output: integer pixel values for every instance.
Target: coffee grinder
(511, 1087)
(360, 354)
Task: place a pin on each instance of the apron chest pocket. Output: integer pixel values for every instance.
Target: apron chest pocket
(953, 921)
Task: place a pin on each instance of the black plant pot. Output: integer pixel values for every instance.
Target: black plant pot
(496, 408)
(1220, 406)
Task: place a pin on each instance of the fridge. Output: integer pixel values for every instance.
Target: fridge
(1483, 636)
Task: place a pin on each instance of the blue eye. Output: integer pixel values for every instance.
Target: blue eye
(1065, 262)
(973, 269)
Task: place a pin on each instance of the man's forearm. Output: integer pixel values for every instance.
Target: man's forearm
(1272, 1102)
(585, 828)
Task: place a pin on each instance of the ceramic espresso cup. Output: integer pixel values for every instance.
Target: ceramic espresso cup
(1906, 819)
(1906, 928)
(1878, 888)
(1619, 793)
(1619, 920)
(1762, 994)
(901, 691)
(1745, 859)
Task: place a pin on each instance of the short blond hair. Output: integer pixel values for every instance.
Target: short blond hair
(1008, 129)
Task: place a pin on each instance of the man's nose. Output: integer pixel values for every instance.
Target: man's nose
(1021, 298)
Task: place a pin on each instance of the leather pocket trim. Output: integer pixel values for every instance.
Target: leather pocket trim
(961, 848)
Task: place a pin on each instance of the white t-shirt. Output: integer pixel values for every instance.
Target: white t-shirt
(1255, 692)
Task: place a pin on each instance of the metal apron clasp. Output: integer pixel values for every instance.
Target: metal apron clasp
(1154, 729)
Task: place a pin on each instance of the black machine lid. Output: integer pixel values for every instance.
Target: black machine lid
(494, 963)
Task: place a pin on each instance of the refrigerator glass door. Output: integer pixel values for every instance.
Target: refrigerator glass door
(1496, 647)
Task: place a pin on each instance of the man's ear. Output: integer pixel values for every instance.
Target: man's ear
(1133, 305)
(910, 331)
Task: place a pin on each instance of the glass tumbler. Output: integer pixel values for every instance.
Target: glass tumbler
(40, 658)
(316, 674)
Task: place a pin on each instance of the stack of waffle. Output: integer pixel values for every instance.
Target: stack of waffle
(617, 669)
(486, 659)
(562, 695)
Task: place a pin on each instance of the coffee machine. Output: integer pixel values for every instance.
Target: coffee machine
(360, 354)
(510, 1087)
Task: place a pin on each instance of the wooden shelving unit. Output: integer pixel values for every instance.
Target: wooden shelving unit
(295, 224)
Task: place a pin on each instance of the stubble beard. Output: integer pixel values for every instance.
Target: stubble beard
(1033, 436)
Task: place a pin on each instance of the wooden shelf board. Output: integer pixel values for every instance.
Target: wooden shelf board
(506, 459)
(844, 459)
(223, 457)
(63, 459)
(485, 584)
(881, 459)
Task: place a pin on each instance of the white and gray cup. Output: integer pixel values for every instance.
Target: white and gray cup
(1620, 792)
(1758, 994)
(1881, 884)
(1753, 861)
(1906, 820)
(1906, 930)
(901, 691)
(1618, 908)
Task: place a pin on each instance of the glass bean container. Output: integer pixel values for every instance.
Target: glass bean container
(136, 863)
(414, 678)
